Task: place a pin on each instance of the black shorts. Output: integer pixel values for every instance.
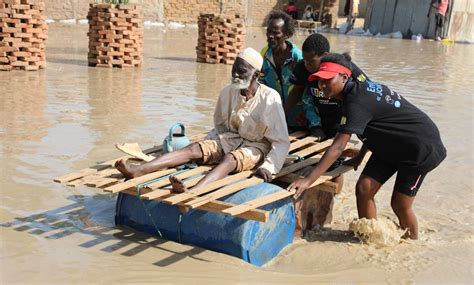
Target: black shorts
(407, 182)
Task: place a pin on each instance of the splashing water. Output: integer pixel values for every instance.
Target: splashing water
(382, 232)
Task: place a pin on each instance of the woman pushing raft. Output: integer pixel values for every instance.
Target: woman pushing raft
(401, 137)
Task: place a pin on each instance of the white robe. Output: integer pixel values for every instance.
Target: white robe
(259, 122)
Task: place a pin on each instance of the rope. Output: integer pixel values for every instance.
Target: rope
(179, 227)
(141, 185)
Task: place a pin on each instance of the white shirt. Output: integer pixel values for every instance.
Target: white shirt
(259, 122)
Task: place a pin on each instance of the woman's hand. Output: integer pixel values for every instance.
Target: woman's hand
(299, 186)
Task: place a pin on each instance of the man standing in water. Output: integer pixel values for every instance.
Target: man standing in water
(249, 131)
(280, 58)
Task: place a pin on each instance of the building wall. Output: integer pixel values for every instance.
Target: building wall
(187, 11)
(66, 9)
(461, 26)
(407, 16)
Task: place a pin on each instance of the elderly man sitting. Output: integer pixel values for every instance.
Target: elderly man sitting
(250, 131)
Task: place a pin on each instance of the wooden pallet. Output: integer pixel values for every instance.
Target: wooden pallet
(156, 186)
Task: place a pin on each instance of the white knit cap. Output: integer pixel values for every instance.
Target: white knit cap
(252, 57)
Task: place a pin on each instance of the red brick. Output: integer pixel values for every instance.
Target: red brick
(31, 67)
(21, 7)
(19, 63)
(21, 16)
(23, 35)
(5, 67)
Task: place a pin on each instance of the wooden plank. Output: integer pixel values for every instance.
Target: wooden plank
(224, 192)
(75, 183)
(300, 143)
(331, 174)
(255, 203)
(313, 148)
(208, 188)
(275, 196)
(298, 165)
(327, 186)
(297, 135)
(219, 206)
(190, 183)
(100, 177)
(322, 179)
(102, 182)
(80, 173)
(132, 183)
(182, 175)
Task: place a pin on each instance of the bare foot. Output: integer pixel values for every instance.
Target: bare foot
(127, 170)
(178, 185)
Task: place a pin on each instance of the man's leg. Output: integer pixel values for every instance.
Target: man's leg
(242, 159)
(175, 158)
(225, 166)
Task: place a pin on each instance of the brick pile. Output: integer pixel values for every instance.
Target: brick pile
(221, 38)
(115, 35)
(23, 33)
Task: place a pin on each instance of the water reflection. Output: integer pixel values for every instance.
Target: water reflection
(115, 103)
(24, 123)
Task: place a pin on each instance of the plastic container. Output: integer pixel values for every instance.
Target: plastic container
(254, 242)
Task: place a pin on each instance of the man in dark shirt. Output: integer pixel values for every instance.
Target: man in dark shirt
(402, 138)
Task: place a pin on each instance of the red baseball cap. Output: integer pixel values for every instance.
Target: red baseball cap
(328, 70)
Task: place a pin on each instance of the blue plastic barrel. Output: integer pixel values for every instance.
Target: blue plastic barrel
(255, 242)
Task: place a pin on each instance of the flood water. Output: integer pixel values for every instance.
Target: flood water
(68, 116)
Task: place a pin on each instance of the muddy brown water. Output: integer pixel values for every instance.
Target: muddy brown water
(68, 117)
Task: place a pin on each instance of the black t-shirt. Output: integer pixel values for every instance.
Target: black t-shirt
(329, 110)
(391, 127)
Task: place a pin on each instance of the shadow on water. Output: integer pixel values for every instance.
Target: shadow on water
(75, 218)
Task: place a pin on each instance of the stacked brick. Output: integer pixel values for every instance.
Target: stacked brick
(23, 33)
(221, 38)
(115, 35)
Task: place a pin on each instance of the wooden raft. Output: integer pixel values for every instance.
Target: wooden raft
(104, 176)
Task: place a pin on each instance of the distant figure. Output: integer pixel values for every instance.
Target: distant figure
(292, 10)
(308, 14)
(347, 8)
(355, 8)
(441, 10)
